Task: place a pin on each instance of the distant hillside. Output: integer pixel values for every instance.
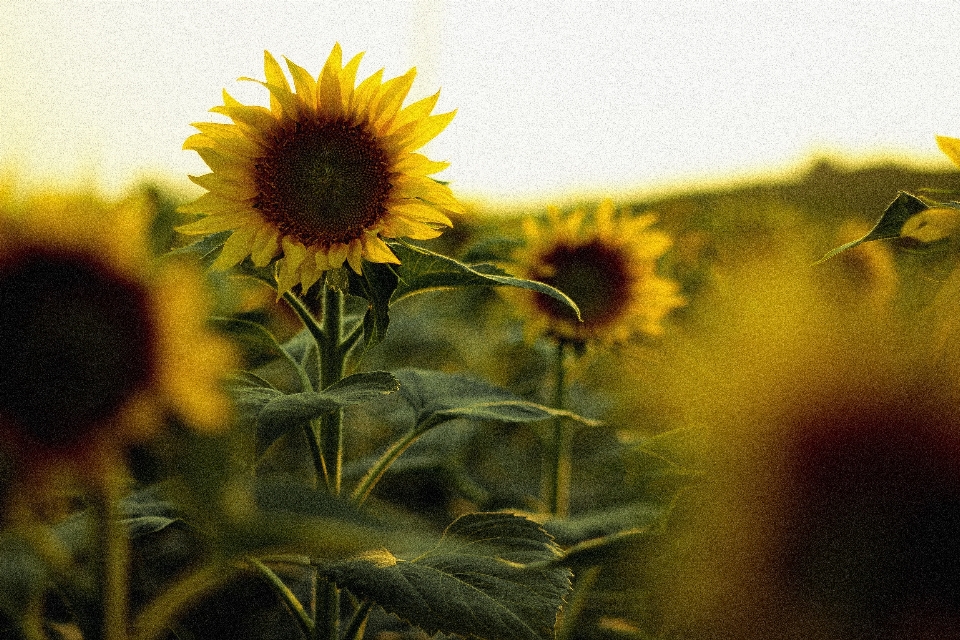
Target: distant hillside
(827, 191)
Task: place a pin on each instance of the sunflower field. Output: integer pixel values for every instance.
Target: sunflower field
(329, 400)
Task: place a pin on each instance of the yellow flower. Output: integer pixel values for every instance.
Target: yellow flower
(607, 266)
(323, 175)
(96, 344)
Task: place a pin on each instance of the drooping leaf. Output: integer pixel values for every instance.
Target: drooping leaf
(475, 582)
(890, 223)
(615, 547)
(423, 270)
(257, 344)
(437, 397)
(296, 408)
(578, 529)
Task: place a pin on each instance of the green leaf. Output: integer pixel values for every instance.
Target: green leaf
(890, 223)
(206, 248)
(615, 547)
(475, 582)
(377, 285)
(437, 397)
(284, 411)
(423, 270)
(256, 342)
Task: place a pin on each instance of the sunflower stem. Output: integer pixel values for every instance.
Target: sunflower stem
(331, 372)
(559, 449)
(289, 598)
(114, 558)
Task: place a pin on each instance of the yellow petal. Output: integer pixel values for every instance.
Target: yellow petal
(309, 272)
(213, 224)
(336, 254)
(426, 130)
(236, 248)
(274, 75)
(254, 116)
(305, 84)
(348, 78)
(288, 267)
(376, 250)
(265, 246)
(951, 147)
(426, 189)
(391, 96)
(211, 204)
(355, 256)
(420, 211)
(416, 111)
(232, 189)
(416, 164)
(329, 96)
(399, 227)
(364, 94)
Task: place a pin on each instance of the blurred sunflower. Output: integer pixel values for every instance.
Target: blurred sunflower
(323, 175)
(606, 265)
(830, 507)
(95, 343)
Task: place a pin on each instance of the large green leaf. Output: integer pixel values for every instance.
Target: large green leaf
(904, 207)
(424, 270)
(282, 411)
(475, 582)
(437, 397)
(377, 285)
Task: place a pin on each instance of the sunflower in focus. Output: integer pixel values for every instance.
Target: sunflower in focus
(323, 175)
(607, 266)
(97, 344)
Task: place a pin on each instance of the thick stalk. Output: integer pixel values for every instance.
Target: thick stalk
(558, 454)
(114, 558)
(331, 372)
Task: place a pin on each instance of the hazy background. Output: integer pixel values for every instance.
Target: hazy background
(554, 99)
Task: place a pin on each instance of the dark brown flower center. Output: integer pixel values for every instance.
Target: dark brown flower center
(595, 275)
(322, 182)
(872, 524)
(76, 341)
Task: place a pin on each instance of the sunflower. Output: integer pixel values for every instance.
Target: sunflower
(323, 175)
(96, 343)
(828, 495)
(607, 266)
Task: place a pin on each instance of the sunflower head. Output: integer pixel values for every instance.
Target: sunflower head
(96, 344)
(607, 265)
(323, 175)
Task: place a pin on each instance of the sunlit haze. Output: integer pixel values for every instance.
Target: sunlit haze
(554, 99)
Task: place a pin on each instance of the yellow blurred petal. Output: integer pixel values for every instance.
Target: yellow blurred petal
(951, 147)
(933, 224)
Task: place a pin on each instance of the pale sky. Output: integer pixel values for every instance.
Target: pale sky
(555, 98)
